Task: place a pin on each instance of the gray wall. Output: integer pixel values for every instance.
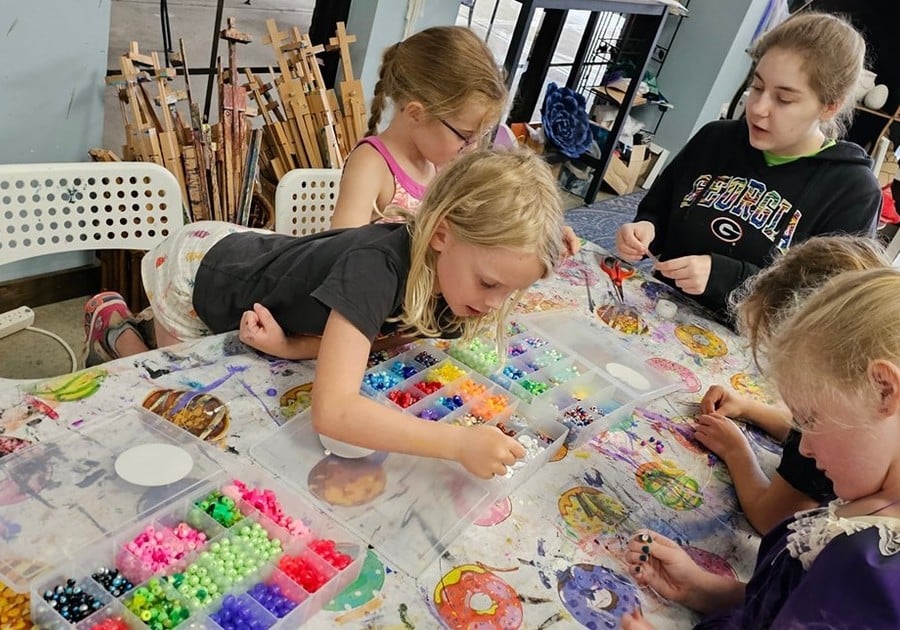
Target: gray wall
(54, 64)
(706, 65)
(378, 24)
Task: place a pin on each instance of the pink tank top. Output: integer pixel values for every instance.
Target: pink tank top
(407, 192)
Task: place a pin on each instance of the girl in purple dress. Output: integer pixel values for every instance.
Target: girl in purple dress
(836, 361)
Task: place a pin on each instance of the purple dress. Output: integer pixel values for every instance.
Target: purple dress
(851, 579)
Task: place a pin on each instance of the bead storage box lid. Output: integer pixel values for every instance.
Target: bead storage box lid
(410, 508)
(624, 365)
(61, 494)
(270, 559)
(568, 369)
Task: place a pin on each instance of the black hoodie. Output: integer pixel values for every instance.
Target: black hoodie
(719, 197)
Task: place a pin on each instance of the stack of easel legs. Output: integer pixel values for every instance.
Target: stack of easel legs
(228, 170)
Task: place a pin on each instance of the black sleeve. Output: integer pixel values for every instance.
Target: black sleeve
(857, 207)
(662, 199)
(800, 472)
(364, 287)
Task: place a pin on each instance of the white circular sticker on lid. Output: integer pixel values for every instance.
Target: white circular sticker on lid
(154, 464)
(630, 377)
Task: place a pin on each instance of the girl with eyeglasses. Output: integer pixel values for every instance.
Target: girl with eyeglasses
(447, 93)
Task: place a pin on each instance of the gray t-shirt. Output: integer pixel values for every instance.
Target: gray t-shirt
(359, 272)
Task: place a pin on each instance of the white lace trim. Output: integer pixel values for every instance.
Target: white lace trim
(813, 529)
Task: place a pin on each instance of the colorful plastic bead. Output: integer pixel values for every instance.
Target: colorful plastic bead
(479, 355)
(113, 623)
(431, 414)
(532, 448)
(428, 387)
(426, 359)
(71, 601)
(266, 502)
(272, 599)
(302, 571)
(403, 369)
(328, 549)
(403, 398)
(221, 508)
(237, 613)
(381, 381)
(114, 582)
(15, 609)
(445, 374)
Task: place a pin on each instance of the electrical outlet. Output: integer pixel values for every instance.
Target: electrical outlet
(15, 320)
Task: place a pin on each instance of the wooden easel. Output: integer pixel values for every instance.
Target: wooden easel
(307, 65)
(353, 99)
(233, 105)
(293, 100)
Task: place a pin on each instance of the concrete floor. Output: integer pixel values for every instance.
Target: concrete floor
(31, 355)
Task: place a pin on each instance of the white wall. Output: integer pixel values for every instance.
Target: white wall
(378, 24)
(706, 65)
(52, 73)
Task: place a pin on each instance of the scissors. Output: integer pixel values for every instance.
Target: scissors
(617, 272)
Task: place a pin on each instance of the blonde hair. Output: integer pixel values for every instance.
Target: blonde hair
(486, 199)
(825, 349)
(444, 68)
(771, 295)
(833, 56)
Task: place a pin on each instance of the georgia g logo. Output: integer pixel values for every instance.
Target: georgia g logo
(726, 229)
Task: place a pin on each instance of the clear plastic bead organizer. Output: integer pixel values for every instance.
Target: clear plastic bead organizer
(76, 509)
(571, 382)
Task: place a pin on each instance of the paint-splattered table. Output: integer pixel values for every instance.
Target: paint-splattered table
(548, 556)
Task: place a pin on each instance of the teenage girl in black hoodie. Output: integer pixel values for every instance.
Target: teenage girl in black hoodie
(742, 191)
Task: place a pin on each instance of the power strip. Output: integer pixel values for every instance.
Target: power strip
(15, 320)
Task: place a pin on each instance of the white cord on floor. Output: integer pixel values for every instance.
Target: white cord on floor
(62, 341)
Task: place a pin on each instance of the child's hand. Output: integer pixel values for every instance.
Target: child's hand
(723, 401)
(633, 240)
(259, 330)
(690, 273)
(720, 435)
(571, 242)
(486, 451)
(658, 562)
(634, 620)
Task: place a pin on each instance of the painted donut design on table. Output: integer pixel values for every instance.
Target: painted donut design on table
(469, 597)
(587, 512)
(669, 485)
(691, 383)
(347, 482)
(749, 385)
(364, 589)
(624, 319)
(535, 301)
(497, 513)
(12, 444)
(597, 596)
(200, 414)
(295, 400)
(701, 341)
(71, 387)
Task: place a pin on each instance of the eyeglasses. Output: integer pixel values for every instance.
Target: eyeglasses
(467, 140)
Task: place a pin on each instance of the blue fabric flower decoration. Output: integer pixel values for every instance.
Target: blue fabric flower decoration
(565, 120)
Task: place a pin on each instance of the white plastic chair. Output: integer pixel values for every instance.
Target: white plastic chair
(53, 208)
(304, 200)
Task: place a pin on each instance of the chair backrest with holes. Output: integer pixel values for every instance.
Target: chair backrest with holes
(304, 200)
(53, 208)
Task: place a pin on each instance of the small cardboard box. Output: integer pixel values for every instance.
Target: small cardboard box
(623, 177)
